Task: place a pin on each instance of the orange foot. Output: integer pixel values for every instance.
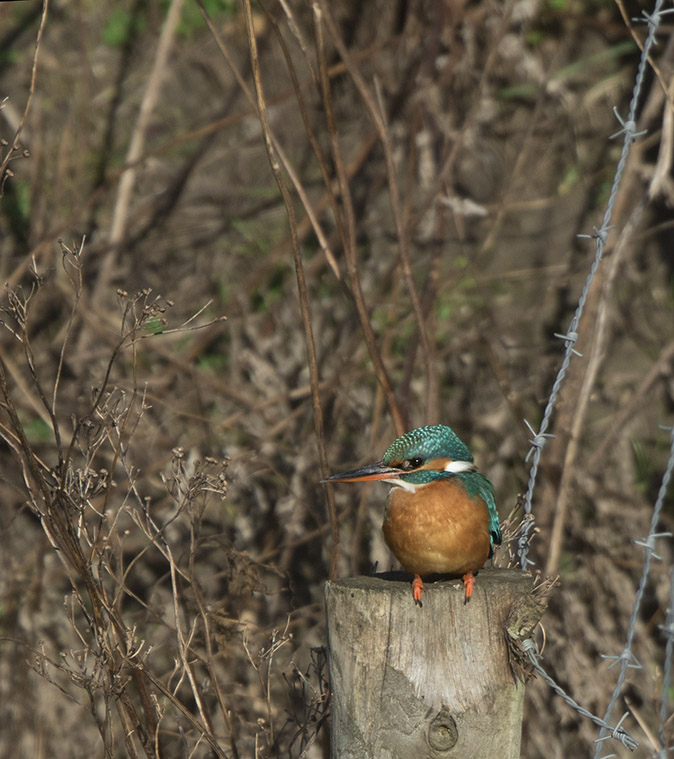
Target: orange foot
(468, 584)
(417, 587)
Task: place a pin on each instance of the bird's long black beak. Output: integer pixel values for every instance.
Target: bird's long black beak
(378, 471)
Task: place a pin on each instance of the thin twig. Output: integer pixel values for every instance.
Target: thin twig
(301, 285)
(348, 229)
(31, 91)
(137, 143)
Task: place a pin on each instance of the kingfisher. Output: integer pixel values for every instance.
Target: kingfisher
(440, 515)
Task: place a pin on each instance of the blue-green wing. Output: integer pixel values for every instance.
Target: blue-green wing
(478, 485)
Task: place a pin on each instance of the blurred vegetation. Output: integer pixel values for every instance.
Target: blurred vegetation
(159, 460)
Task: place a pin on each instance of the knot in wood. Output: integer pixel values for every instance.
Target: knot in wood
(442, 732)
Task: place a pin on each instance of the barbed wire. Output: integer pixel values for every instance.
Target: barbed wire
(618, 732)
(626, 657)
(628, 129)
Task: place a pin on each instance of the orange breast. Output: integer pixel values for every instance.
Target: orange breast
(437, 529)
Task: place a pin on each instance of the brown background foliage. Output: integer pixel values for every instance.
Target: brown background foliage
(195, 536)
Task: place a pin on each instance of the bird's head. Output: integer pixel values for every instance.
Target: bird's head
(416, 458)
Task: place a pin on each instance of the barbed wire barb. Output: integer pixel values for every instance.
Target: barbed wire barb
(628, 130)
(570, 339)
(647, 18)
(649, 543)
(626, 656)
(598, 234)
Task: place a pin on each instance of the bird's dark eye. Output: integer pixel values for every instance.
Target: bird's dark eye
(412, 463)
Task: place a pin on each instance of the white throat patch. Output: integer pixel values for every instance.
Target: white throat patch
(397, 483)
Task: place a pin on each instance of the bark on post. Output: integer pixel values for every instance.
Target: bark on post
(424, 683)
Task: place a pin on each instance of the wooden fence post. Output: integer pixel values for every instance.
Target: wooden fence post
(424, 683)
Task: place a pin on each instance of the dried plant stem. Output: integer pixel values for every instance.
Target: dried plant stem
(64, 225)
(378, 117)
(347, 229)
(313, 140)
(301, 285)
(128, 179)
(31, 91)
